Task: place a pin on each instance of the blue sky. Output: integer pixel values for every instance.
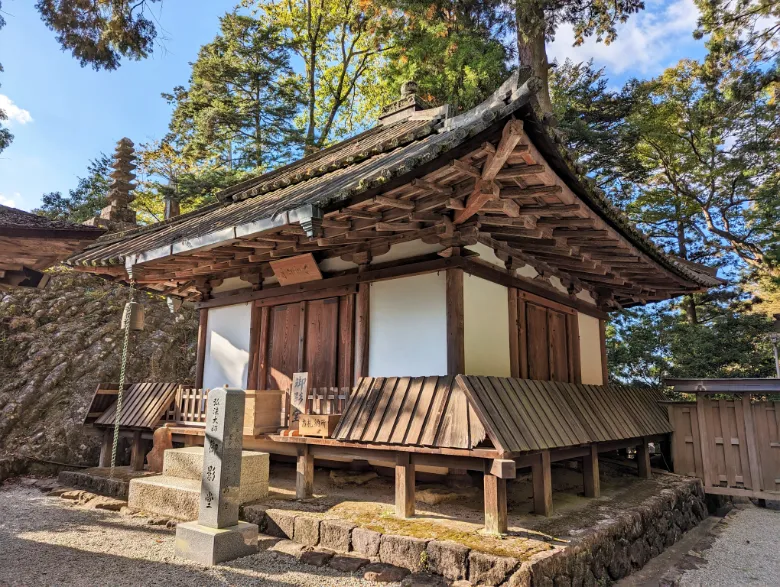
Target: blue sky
(63, 115)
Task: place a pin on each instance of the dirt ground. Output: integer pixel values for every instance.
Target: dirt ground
(461, 520)
(51, 541)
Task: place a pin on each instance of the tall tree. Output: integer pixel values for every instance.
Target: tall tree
(536, 22)
(101, 32)
(241, 100)
(713, 151)
(452, 49)
(84, 201)
(5, 135)
(340, 44)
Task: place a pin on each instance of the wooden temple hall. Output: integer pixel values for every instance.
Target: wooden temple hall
(443, 280)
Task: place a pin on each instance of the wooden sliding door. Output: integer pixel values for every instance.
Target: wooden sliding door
(314, 335)
(544, 339)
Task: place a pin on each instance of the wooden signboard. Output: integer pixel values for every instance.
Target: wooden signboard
(298, 269)
(316, 425)
(299, 391)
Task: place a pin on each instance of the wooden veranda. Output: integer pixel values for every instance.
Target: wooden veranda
(492, 425)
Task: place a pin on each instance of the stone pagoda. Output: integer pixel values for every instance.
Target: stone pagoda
(116, 216)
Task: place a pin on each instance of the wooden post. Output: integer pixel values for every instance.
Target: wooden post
(201, 355)
(704, 439)
(590, 473)
(137, 454)
(404, 485)
(304, 476)
(362, 317)
(541, 471)
(752, 448)
(495, 504)
(643, 460)
(106, 447)
(456, 359)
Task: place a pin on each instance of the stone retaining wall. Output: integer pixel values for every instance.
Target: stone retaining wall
(607, 553)
(116, 488)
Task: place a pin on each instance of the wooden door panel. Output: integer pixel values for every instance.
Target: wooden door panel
(557, 344)
(283, 344)
(321, 342)
(538, 352)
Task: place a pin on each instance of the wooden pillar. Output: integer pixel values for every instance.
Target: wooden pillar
(137, 453)
(456, 354)
(404, 485)
(495, 504)
(541, 471)
(603, 345)
(106, 447)
(201, 356)
(362, 321)
(304, 475)
(590, 473)
(643, 460)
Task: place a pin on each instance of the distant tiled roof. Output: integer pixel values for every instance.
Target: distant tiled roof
(15, 222)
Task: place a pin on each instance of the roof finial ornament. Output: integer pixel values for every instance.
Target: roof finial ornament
(408, 88)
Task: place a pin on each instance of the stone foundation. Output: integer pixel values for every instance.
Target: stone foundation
(606, 553)
(117, 488)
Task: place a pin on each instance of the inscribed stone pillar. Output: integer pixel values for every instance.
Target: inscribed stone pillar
(219, 492)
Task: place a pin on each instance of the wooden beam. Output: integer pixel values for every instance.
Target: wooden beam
(137, 452)
(362, 319)
(402, 204)
(512, 192)
(106, 446)
(590, 473)
(304, 473)
(495, 504)
(456, 360)
(516, 171)
(541, 473)
(643, 460)
(404, 485)
(510, 137)
(484, 190)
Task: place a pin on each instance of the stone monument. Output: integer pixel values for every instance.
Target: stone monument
(218, 536)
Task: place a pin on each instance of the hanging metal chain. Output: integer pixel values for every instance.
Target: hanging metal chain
(118, 413)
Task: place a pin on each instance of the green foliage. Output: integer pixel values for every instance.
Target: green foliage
(453, 50)
(85, 200)
(340, 44)
(5, 135)
(102, 32)
(647, 344)
(238, 109)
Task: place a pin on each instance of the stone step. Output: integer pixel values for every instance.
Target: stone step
(187, 463)
(179, 498)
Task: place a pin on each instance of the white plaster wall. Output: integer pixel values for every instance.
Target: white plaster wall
(486, 327)
(406, 250)
(408, 327)
(231, 284)
(227, 346)
(489, 255)
(590, 349)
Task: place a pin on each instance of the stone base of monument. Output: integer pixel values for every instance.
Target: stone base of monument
(210, 546)
(176, 493)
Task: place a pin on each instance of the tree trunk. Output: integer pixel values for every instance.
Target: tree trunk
(531, 48)
(690, 304)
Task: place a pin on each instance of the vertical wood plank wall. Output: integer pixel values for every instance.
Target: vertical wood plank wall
(544, 339)
(733, 445)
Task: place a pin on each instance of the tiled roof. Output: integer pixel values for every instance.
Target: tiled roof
(13, 219)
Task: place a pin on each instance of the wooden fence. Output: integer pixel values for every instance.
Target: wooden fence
(732, 445)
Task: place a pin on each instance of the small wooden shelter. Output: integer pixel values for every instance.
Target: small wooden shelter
(431, 244)
(31, 243)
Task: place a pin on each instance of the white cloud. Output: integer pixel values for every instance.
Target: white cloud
(6, 201)
(15, 114)
(647, 43)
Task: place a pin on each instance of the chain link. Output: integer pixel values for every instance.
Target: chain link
(118, 414)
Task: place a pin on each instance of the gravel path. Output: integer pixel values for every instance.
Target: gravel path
(744, 553)
(49, 541)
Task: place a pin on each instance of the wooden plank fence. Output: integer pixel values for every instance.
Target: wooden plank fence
(732, 445)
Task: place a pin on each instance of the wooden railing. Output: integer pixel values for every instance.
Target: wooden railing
(188, 407)
(732, 445)
(328, 400)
